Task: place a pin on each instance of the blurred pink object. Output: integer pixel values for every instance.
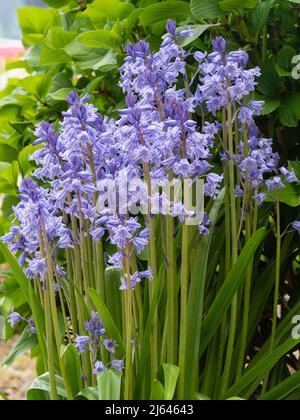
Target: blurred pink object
(10, 49)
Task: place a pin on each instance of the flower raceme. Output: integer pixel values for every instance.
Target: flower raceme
(170, 130)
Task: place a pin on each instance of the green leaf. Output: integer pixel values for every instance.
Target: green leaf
(109, 385)
(158, 12)
(289, 195)
(196, 298)
(145, 344)
(90, 394)
(57, 3)
(198, 30)
(285, 56)
(35, 21)
(30, 296)
(287, 117)
(232, 5)
(71, 362)
(270, 105)
(171, 373)
(26, 342)
(257, 372)
(260, 16)
(157, 391)
(7, 153)
(201, 397)
(24, 157)
(203, 9)
(53, 47)
(108, 321)
(269, 83)
(295, 166)
(101, 38)
(4, 396)
(102, 11)
(283, 389)
(40, 388)
(91, 58)
(224, 298)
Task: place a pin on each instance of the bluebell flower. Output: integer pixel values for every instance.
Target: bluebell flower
(14, 318)
(110, 345)
(99, 367)
(82, 343)
(118, 365)
(95, 326)
(296, 225)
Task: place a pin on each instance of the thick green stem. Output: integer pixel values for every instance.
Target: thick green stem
(277, 288)
(183, 307)
(234, 249)
(128, 391)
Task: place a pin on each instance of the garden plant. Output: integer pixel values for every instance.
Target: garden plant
(150, 200)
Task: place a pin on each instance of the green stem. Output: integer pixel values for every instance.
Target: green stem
(183, 307)
(234, 249)
(128, 391)
(277, 287)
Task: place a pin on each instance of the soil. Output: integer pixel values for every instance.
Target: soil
(15, 379)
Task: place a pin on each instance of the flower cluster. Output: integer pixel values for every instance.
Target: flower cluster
(158, 136)
(94, 341)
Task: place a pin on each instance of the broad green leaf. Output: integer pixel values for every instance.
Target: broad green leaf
(290, 110)
(287, 117)
(113, 296)
(24, 157)
(109, 385)
(26, 342)
(269, 83)
(201, 397)
(100, 59)
(285, 56)
(203, 9)
(102, 11)
(7, 153)
(171, 373)
(53, 47)
(295, 166)
(158, 12)
(232, 5)
(4, 396)
(71, 361)
(198, 30)
(270, 105)
(40, 388)
(90, 394)
(157, 391)
(35, 21)
(29, 294)
(108, 321)
(101, 38)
